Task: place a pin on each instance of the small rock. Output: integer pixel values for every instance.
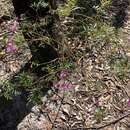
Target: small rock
(66, 109)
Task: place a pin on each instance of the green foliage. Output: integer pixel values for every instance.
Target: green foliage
(52, 68)
(24, 79)
(86, 7)
(102, 31)
(35, 96)
(18, 39)
(99, 114)
(39, 4)
(7, 90)
(104, 4)
(59, 65)
(66, 9)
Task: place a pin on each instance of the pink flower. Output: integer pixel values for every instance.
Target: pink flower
(63, 85)
(63, 74)
(128, 102)
(10, 46)
(13, 26)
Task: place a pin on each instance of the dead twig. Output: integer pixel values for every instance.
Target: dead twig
(62, 100)
(105, 125)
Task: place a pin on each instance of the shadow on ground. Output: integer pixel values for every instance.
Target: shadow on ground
(119, 8)
(12, 112)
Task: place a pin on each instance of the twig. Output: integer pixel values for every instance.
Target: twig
(103, 126)
(43, 112)
(58, 112)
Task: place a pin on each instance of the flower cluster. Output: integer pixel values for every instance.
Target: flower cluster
(62, 74)
(63, 84)
(10, 45)
(10, 48)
